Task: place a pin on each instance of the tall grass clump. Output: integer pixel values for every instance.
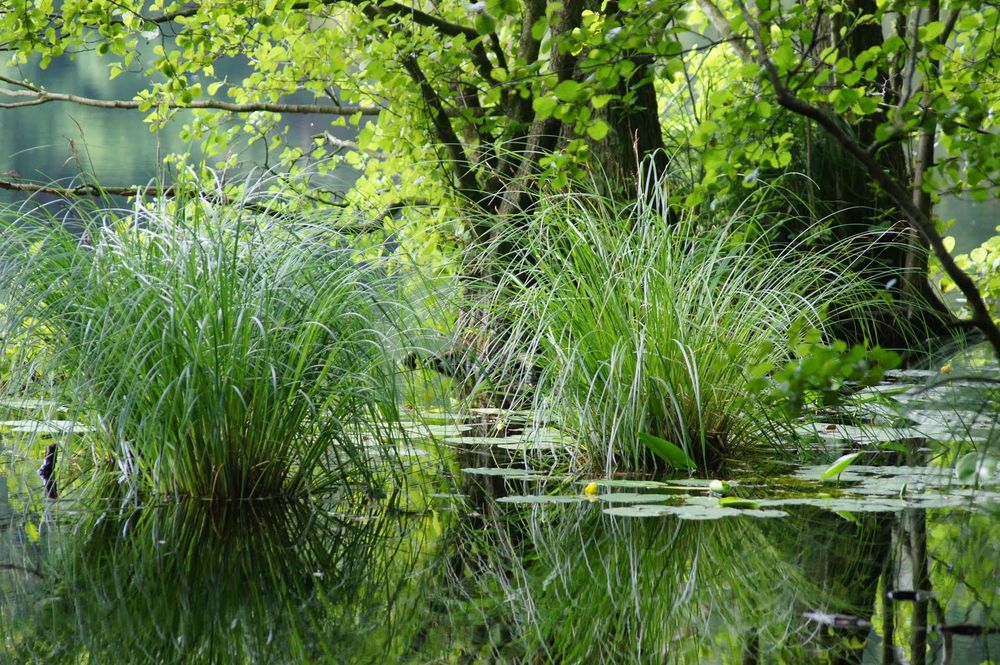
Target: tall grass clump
(220, 351)
(651, 331)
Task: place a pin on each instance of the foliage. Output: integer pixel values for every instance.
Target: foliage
(983, 263)
(648, 327)
(822, 374)
(464, 86)
(220, 351)
(929, 71)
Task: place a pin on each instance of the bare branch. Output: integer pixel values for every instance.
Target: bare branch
(38, 95)
(86, 190)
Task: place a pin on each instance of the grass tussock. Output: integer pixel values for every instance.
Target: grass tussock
(220, 352)
(649, 326)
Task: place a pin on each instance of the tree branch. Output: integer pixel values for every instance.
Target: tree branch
(920, 223)
(720, 23)
(417, 16)
(468, 186)
(87, 190)
(37, 95)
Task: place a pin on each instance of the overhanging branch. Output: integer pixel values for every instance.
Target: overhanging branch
(981, 317)
(35, 95)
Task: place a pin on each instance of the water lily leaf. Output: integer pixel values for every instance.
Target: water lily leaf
(839, 465)
(670, 453)
(628, 483)
(541, 499)
(689, 512)
(532, 445)
(636, 498)
(482, 440)
(512, 474)
(29, 404)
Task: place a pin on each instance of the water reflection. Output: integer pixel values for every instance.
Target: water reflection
(584, 587)
(264, 582)
(227, 582)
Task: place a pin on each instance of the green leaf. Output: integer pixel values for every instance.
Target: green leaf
(783, 56)
(598, 129)
(600, 101)
(670, 453)
(544, 106)
(839, 465)
(485, 24)
(567, 90)
(31, 531)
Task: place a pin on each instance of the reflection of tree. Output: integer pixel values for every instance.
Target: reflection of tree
(951, 557)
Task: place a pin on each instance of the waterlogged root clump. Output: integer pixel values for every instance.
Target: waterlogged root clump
(219, 353)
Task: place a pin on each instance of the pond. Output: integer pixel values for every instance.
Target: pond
(490, 554)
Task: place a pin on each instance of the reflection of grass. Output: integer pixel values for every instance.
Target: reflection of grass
(651, 327)
(224, 354)
(219, 583)
(585, 588)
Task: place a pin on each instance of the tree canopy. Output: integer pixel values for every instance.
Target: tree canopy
(490, 104)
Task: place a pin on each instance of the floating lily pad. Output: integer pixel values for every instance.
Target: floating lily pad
(689, 512)
(636, 498)
(411, 451)
(533, 445)
(860, 434)
(542, 499)
(511, 474)
(913, 375)
(508, 414)
(628, 483)
(30, 404)
(435, 431)
(483, 440)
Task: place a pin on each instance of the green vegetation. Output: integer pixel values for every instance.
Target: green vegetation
(219, 351)
(649, 329)
(676, 246)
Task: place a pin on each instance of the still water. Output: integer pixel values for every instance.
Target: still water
(489, 556)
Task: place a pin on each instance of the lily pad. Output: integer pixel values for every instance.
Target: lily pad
(689, 512)
(30, 404)
(542, 499)
(511, 474)
(636, 498)
(628, 483)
